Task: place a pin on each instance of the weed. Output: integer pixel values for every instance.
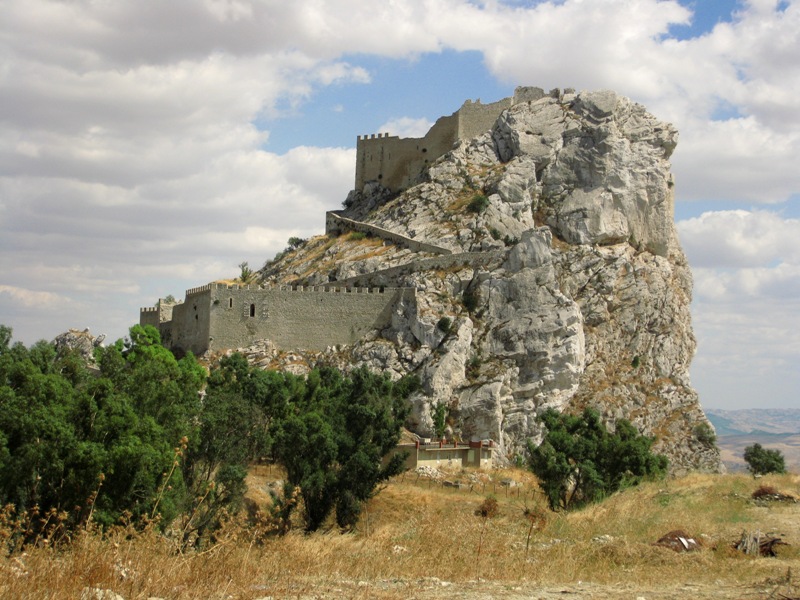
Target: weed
(478, 203)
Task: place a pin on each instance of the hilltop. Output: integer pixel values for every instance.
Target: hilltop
(521, 256)
(547, 273)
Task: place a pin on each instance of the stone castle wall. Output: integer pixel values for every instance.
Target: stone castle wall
(337, 224)
(220, 316)
(398, 163)
(390, 275)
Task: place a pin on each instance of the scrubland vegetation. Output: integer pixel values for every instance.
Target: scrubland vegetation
(420, 539)
(124, 478)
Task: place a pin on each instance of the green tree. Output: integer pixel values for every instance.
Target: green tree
(579, 461)
(335, 437)
(246, 274)
(761, 461)
(73, 442)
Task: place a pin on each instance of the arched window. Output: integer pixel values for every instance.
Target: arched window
(252, 310)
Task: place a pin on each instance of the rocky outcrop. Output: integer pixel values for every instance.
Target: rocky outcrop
(79, 341)
(585, 301)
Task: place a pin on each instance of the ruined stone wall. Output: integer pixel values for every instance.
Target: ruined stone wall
(398, 163)
(475, 118)
(149, 316)
(451, 261)
(335, 223)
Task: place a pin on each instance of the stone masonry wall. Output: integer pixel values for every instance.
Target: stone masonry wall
(335, 223)
(398, 163)
(390, 276)
(219, 316)
(190, 324)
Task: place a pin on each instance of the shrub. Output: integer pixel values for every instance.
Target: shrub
(444, 324)
(439, 419)
(246, 274)
(580, 462)
(761, 461)
(357, 236)
(473, 365)
(705, 434)
(478, 204)
(471, 298)
(295, 242)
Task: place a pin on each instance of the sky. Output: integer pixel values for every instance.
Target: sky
(147, 147)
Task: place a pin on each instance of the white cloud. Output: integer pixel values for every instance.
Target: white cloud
(740, 238)
(30, 298)
(406, 127)
(746, 309)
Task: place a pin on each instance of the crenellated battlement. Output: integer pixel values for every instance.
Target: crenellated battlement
(372, 136)
(224, 315)
(198, 290)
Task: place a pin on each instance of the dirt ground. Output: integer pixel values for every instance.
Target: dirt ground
(432, 588)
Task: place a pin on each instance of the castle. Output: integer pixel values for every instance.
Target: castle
(222, 316)
(399, 163)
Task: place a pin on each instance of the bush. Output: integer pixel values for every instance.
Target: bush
(96, 445)
(705, 434)
(439, 419)
(357, 236)
(478, 204)
(444, 324)
(246, 274)
(295, 242)
(761, 461)
(580, 462)
(334, 438)
(470, 299)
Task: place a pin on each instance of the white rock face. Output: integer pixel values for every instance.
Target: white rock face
(588, 304)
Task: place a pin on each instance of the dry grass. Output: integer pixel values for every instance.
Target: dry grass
(415, 530)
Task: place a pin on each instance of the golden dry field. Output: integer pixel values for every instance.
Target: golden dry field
(421, 539)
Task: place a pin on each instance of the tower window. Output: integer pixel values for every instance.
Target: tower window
(230, 302)
(252, 310)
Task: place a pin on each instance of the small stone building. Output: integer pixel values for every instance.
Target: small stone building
(477, 454)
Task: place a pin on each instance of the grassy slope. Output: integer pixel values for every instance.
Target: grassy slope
(421, 540)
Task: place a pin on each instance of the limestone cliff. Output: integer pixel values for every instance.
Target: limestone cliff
(564, 286)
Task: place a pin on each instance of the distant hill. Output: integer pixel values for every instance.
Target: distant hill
(777, 428)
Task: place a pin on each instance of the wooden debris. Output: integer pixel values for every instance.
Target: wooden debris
(757, 544)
